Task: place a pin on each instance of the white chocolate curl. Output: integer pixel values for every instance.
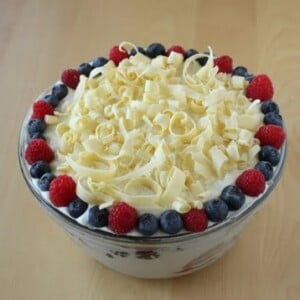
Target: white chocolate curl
(155, 133)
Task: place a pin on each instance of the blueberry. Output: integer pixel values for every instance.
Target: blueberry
(60, 91)
(203, 60)
(216, 210)
(155, 50)
(36, 126)
(233, 197)
(147, 224)
(39, 168)
(273, 118)
(85, 69)
(190, 52)
(98, 217)
(269, 106)
(99, 62)
(37, 135)
(141, 50)
(52, 100)
(45, 180)
(249, 77)
(270, 154)
(77, 207)
(265, 168)
(240, 71)
(170, 221)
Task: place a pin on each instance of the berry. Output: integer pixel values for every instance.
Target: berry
(155, 50)
(140, 50)
(266, 168)
(195, 220)
(77, 207)
(122, 218)
(261, 88)
(45, 180)
(224, 63)
(177, 49)
(270, 154)
(269, 106)
(39, 168)
(41, 108)
(38, 150)
(98, 217)
(99, 62)
(36, 126)
(117, 55)
(170, 221)
(37, 135)
(273, 118)
(249, 77)
(147, 224)
(70, 78)
(233, 197)
(190, 52)
(62, 190)
(251, 182)
(216, 210)
(201, 60)
(52, 100)
(240, 71)
(60, 91)
(272, 135)
(85, 69)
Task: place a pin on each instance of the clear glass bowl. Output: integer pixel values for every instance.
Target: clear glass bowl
(153, 257)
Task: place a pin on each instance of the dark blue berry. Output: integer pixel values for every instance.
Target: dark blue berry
(240, 71)
(265, 168)
(147, 224)
(216, 210)
(39, 168)
(77, 207)
(52, 100)
(273, 118)
(45, 180)
(203, 60)
(37, 135)
(170, 221)
(133, 51)
(190, 52)
(98, 217)
(60, 91)
(155, 50)
(270, 154)
(233, 197)
(85, 69)
(269, 106)
(249, 77)
(36, 126)
(99, 62)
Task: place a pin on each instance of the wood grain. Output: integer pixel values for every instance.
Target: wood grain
(38, 39)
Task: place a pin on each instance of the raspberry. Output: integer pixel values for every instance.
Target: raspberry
(251, 182)
(122, 218)
(176, 48)
(117, 55)
(41, 108)
(70, 78)
(260, 88)
(62, 190)
(224, 63)
(271, 135)
(38, 149)
(195, 220)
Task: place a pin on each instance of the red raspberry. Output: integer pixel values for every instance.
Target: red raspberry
(40, 109)
(38, 149)
(70, 78)
(62, 190)
(272, 135)
(176, 48)
(260, 88)
(117, 55)
(195, 220)
(251, 182)
(122, 218)
(224, 63)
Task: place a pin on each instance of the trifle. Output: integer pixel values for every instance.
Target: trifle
(154, 159)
